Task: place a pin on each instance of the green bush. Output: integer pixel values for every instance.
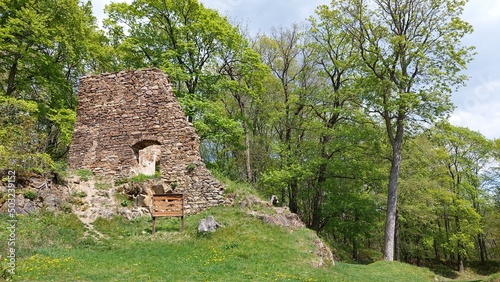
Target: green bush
(122, 199)
(142, 177)
(103, 185)
(66, 208)
(120, 181)
(80, 194)
(84, 174)
(61, 169)
(30, 194)
(190, 167)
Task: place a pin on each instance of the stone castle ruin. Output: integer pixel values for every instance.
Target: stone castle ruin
(130, 123)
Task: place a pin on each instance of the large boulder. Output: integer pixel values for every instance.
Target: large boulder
(208, 225)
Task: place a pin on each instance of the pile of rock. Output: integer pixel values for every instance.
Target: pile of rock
(281, 216)
(36, 193)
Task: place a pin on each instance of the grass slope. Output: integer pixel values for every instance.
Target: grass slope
(53, 248)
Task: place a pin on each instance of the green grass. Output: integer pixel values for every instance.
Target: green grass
(53, 248)
(101, 185)
(30, 194)
(84, 174)
(142, 177)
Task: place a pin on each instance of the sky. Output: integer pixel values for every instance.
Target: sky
(477, 104)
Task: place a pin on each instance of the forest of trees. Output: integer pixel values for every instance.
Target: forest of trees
(343, 116)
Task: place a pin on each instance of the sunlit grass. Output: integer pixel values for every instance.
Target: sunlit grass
(245, 249)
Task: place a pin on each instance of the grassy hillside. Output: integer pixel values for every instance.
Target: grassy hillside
(57, 247)
(54, 248)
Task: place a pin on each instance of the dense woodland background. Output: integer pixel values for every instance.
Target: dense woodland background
(343, 117)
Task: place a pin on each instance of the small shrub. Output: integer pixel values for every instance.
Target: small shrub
(120, 181)
(76, 201)
(102, 186)
(173, 185)
(190, 167)
(84, 174)
(60, 171)
(66, 208)
(125, 203)
(30, 194)
(122, 199)
(142, 177)
(139, 178)
(80, 194)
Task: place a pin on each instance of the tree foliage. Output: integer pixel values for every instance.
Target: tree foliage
(44, 47)
(412, 59)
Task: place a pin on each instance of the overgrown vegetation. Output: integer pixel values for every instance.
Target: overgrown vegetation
(142, 177)
(102, 185)
(84, 174)
(30, 194)
(245, 248)
(123, 199)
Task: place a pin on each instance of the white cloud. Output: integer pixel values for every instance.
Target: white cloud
(486, 124)
(478, 107)
(482, 12)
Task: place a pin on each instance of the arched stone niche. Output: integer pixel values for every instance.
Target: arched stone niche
(148, 155)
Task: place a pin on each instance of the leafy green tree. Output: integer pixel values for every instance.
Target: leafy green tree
(282, 53)
(334, 106)
(242, 74)
(320, 135)
(44, 49)
(215, 74)
(21, 145)
(419, 235)
(45, 46)
(412, 62)
(465, 155)
(181, 37)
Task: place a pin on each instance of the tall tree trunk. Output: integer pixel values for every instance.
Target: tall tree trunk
(247, 156)
(482, 247)
(392, 195)
(483, 242)
(397, 240)
(11, 82)
(318, 198)
(355, 249)
(292, 196)
(283, 196)
(461, 267)
(436, 247)
(460, 257)
(436, 250)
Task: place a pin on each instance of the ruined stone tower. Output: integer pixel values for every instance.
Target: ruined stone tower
(129, 123)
